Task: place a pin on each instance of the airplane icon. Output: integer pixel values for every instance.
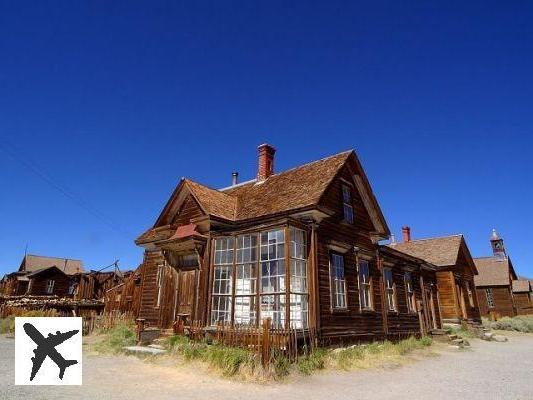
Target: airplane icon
(46, 347)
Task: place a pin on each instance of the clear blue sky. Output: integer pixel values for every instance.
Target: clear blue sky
(113, 102)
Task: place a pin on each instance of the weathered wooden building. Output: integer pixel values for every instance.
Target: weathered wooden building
(40, 275)
(455, 275)
(298, 247)
(522, 296)
(494, 282)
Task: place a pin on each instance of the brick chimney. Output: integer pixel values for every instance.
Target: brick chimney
(266, 161)
(406, 233)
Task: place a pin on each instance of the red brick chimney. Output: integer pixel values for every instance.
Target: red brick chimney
(266, 161)
(406, 233)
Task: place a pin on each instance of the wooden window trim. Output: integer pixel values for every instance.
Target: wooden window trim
(370, 284)
(347, 204)
(390, 290)
(332, 293)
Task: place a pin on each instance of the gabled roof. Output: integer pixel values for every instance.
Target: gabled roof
(32, 263)
(440, 251)
(39, 271)
(493, 271)
(296, 189)
(521, 285)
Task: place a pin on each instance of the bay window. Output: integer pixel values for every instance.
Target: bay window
(250, 278)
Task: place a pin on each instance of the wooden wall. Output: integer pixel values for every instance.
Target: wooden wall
(523, 303)
(125, 297)
(39, 282)
(503, 301)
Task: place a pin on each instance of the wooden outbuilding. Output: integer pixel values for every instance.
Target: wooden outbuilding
(455, 275)
(495, 280)
(300, 248)
(522, 296)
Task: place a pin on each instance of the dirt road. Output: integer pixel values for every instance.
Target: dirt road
(488, 371)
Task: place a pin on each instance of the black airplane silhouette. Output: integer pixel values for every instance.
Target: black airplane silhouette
(46, 347)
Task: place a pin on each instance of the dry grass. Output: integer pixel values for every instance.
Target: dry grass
(7, 325)
(521, 323)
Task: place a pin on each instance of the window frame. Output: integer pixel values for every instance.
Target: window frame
(50, 284)
(410, 292)
(490, 301)
(390, 291)
(363, 286)
(332, 287)
(347, 203)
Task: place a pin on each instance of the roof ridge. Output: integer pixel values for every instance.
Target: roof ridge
(61, 258)
(347, 152)
(432, 238)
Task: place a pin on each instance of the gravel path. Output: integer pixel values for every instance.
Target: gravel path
(488, 371)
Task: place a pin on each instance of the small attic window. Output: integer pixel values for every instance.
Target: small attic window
(347, 204)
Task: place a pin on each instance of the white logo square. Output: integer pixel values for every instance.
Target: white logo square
(48, 351)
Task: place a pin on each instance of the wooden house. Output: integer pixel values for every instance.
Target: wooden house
(522, 296)
(40, 275)
(298, 247)
(495, 280)
(455, 275)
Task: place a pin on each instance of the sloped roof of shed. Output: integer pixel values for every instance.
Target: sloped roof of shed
(521, 285)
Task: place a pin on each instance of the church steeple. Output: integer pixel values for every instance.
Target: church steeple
(497, 245)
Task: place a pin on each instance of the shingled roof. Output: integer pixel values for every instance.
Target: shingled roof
(521, 285)
(440, 251)
(32, 263)
(289, 191)
(493, 271)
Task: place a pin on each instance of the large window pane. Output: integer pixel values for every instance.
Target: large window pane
(299, 311)
(273, 307)
(245, 310)
(222, 280)
(221, 309)
(246, 279)
(273, 276)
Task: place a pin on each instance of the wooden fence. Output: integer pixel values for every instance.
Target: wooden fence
(105, 322)
(265, 340)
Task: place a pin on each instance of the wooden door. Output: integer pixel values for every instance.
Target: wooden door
(186, 294)
(431, 315)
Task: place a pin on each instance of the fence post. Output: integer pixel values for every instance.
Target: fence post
(265, 358)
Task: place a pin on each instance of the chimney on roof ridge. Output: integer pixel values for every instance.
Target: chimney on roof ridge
(406, 234)
(266, 161)
(234, 178)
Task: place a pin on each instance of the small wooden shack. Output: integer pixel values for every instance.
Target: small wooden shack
(522, 296)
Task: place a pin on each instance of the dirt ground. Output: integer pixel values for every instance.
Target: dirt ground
(488, 371)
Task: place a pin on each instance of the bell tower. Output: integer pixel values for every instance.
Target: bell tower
(496, 243)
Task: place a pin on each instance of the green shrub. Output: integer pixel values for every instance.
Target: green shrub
(518, 324)
(7, 325)
(281, 365)
(116, 338)
(426, 341)
(312, 362)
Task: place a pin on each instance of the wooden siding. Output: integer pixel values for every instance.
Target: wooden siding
(523, 303)
(39, 282)
(125, 297)
(503, 301)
